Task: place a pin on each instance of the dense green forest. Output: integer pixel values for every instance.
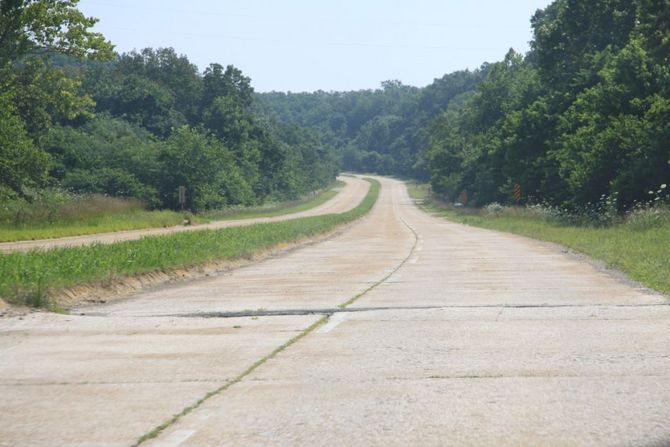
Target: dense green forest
(384, 131)
(77, 116)
(581, 120)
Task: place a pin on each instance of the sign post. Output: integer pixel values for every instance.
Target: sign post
(517, 193)
(182, 196)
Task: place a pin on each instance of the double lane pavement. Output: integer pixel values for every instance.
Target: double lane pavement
(404, 329)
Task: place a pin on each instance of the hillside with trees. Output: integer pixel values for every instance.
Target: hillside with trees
(383, 130)
(582, 118)
(76, 116)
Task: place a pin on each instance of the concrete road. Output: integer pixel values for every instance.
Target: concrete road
(451, 335)
(347, 198)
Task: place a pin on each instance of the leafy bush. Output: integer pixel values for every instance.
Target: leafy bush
(112, 182)
(494, 209)
(22, 164)
(543, 211)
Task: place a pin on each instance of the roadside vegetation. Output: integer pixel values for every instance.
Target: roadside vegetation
(577, 130)
(30, 278)
(275, 209)
(585, 112)
(636, 243)
(59, 214)
(76, 116)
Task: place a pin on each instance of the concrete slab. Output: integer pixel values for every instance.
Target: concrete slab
(112, 375)
(69, 380)
(525, 345)
(321, 275)
(457, 377)
(458, 336)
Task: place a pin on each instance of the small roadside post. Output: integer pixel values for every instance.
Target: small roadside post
(517, 193)
(182, 197)
(463, 198)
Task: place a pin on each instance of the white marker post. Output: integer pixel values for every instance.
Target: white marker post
(182, 196)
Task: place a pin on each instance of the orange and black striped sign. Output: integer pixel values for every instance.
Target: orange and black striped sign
(517, 192)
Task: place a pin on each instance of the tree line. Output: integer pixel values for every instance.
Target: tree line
(76, 115)
(583, 117)
(383, 130)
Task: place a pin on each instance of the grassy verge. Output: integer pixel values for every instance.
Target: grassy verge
(640, 251)
(93, 218)
(418, 191)
(276, 209)
(133, 220)
(29, 278)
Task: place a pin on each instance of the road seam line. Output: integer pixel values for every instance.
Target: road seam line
(335, 310)
(158, 430)
(384, 279)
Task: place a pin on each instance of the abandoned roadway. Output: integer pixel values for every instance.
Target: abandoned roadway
(404, 329)
(347, 197)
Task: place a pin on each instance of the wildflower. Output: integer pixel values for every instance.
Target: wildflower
(651, 192)
(663, 186)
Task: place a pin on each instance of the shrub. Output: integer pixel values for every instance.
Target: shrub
(494, 209)
(544, 211)
(108, 181)
(644, 218)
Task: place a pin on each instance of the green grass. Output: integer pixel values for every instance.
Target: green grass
(418, 191)
(278, 209)
(132, 220)
(102, 215)
(29, 278)
(640, 251)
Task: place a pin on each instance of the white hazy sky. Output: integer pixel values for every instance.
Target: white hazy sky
(301, 45)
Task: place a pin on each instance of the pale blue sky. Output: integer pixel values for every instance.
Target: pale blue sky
(301, 45)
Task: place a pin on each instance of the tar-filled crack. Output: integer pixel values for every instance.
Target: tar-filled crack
(332, 310)
(293, 312)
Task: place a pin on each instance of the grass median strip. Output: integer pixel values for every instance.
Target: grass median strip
(278, 209)
(28, 278)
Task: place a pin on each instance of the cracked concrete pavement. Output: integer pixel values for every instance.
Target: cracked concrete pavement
(461, 336)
